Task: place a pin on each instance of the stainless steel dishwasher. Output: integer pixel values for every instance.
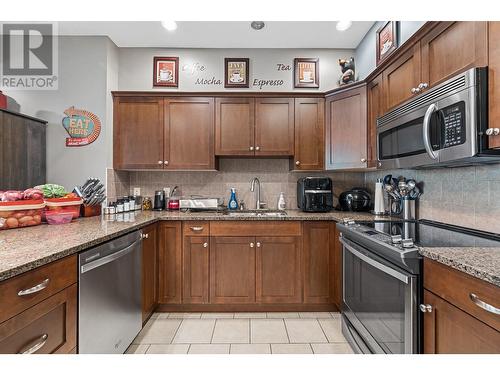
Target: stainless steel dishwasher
(109, 291)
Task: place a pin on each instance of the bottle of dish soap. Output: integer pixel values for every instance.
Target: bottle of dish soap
(233, 203)
(281, 202)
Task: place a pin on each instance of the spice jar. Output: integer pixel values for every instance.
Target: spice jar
(147, 205)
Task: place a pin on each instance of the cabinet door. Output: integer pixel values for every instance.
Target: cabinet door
(346, 129)
(138, 133)
(319, 272)
(337, 270)
(376, 108)
(274, 125)
(494, 80)
(149, 271)
(449, 330)
(195, 269)
(452, 47)
(401, 76)
(309, 134)
(47, 327)
(169, 262)
(232, 270)
(279, 276)
(189, 133)
(234, 126)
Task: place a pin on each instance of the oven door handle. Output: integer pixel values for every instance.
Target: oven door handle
(388, 270)
(425, 131)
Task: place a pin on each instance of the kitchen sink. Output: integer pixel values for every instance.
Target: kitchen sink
(256, 213)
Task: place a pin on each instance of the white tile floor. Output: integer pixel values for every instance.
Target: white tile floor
(241, 333)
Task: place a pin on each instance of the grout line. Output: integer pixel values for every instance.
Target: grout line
(189, 348)
(286, 330)
(213, 331)
(177, 330)
(322, 330)
(147, 349)
(312, 349)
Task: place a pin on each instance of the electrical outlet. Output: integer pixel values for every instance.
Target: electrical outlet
(137, 191)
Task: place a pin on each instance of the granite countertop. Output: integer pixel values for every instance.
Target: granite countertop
(24, 249)
(480, 262)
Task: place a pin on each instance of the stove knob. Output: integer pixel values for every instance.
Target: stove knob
(348, 221)
(396, 239)
(408, 243)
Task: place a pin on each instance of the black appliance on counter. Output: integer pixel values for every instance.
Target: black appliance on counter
(357, 200)
(315, 194)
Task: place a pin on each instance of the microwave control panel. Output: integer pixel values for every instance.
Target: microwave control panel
(453, 120)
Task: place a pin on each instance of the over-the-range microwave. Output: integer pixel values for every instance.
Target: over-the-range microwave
(443, 127)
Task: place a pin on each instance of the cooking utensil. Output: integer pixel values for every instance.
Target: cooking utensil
(411, 184)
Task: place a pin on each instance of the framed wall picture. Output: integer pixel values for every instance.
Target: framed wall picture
(387, 40)
(165, 71)
(236, 72)
(306, 73)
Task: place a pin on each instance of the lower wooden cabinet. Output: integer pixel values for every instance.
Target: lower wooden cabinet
(195, 255)
(149, 271)
(232, 270)
(279, 276)
(337, 270)
(169, 262)
(449, 330)
(47, 327)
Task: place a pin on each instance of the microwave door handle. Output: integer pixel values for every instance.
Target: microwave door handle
(426, 127)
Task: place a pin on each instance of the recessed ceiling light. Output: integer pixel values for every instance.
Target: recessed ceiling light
(343, 25)
(257, 25)
(169, 25)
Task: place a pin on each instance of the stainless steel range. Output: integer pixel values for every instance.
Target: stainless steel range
(382, 283)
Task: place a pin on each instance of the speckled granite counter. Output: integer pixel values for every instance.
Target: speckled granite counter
(480, 262)
(24, 249)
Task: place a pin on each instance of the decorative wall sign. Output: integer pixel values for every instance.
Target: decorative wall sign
(82, 126)
(165, 71)
(236, 72)
(306, 73)
(386, 40)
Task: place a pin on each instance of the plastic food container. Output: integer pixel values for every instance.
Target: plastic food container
(21, 214)
(58, 217)
(63, 205)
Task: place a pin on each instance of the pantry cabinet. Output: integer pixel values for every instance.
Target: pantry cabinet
(169, 262)
(309, 134)
(149, 270)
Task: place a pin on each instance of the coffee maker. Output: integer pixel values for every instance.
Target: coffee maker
(315, 194)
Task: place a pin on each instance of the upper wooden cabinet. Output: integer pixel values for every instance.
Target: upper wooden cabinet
(309, 134)
(138, 133)
(189, 133)
(346, 129)
(274, 126)
(494, 80)
(452, 47)
(376, 108)
(234, 126)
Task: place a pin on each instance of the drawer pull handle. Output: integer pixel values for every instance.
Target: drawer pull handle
(484, 305)
(37, 346)
(196, 229)
(34, 289)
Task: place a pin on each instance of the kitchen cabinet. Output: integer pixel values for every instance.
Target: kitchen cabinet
(195, 257)
(319, 271)
(309, 134)
(274, 126)
(451, 48)
(337, 270)
(278, 264)
(234, 126)
(169, 262)
(494, 80)
(149, 270)
(138, 133)
(346, 129)
(232, 270)
(402, 77)
(376, 108)
(189, 133)
(456, 319)
(22, 151)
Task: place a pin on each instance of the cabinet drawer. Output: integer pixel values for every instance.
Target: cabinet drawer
(256, 228)
(48, 327)
(26, 290)
(195, 228)
(457, 288)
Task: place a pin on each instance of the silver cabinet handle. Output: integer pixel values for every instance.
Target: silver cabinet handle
(37, 346)
(145, 236)
(422, 86)
(297, 162)
(492, 131)
(205, 244)
(251, 244)
(251, 148)
(363, 160)
(425, 308)
(415, 90)
(257, 148)
(485, 306)
(196, 229)
(258, 244)
(160, 162)
(34, 289)
(165, 162)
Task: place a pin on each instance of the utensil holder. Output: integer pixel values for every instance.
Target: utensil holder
(88, 211)
(409, 212)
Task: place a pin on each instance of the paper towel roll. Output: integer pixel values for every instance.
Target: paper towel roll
(379, 198)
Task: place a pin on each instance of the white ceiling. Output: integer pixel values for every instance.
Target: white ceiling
(276, 34)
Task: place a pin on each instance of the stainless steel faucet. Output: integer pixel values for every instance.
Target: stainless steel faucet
(257, 192)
